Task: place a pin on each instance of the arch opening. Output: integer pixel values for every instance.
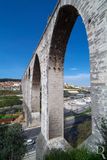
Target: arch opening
(29, 74)
(77, 95)
(36, 93)
(65, 22)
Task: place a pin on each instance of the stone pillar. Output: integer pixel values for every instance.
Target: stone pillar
(55, 103)
(35, 97)
(98, 61)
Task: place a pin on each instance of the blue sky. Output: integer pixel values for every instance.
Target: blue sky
(22, 23)
(77, 66)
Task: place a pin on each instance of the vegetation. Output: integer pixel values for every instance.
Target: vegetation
(83, 153)
(8, 116)
(73, 154)
(9, 101)
(11, 110)
(9, 92)
(80, 130)
(76, 134)
(12, 142)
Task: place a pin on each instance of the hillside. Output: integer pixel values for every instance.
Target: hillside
(9, 79)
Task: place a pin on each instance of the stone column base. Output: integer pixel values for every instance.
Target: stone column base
(44, 146)
(58, 143)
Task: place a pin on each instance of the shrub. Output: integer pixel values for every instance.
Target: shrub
(55, 154)
(83, 154)
(12, 141)
(73, 154)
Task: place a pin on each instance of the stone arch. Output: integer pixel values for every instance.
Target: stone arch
(65, 21)
(35, 92)
(36, 83)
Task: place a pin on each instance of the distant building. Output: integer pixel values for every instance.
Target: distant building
(10, 85)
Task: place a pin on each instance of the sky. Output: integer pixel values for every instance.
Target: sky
(22, 23)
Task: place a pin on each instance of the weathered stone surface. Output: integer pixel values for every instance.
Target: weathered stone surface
(41, 147)
(58, 143)
(44, 146)
(49, 54)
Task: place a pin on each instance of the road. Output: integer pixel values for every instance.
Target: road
(32, 134)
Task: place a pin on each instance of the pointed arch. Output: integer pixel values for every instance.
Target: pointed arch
(36, 83)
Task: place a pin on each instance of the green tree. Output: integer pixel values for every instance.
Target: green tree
(12, 142)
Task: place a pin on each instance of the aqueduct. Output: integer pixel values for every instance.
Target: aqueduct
(42, 83)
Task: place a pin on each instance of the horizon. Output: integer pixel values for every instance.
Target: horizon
(65, 83)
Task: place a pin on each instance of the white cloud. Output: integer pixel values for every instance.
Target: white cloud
(81, 79)
(73, 69)
(79, 76)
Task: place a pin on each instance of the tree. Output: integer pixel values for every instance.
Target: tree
(12, 140)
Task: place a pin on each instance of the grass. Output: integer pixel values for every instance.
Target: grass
(6, 101)
(87, 111)
(77, 133)
(84, 131)
(6, 116)
(9, 92)
(73, 154)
